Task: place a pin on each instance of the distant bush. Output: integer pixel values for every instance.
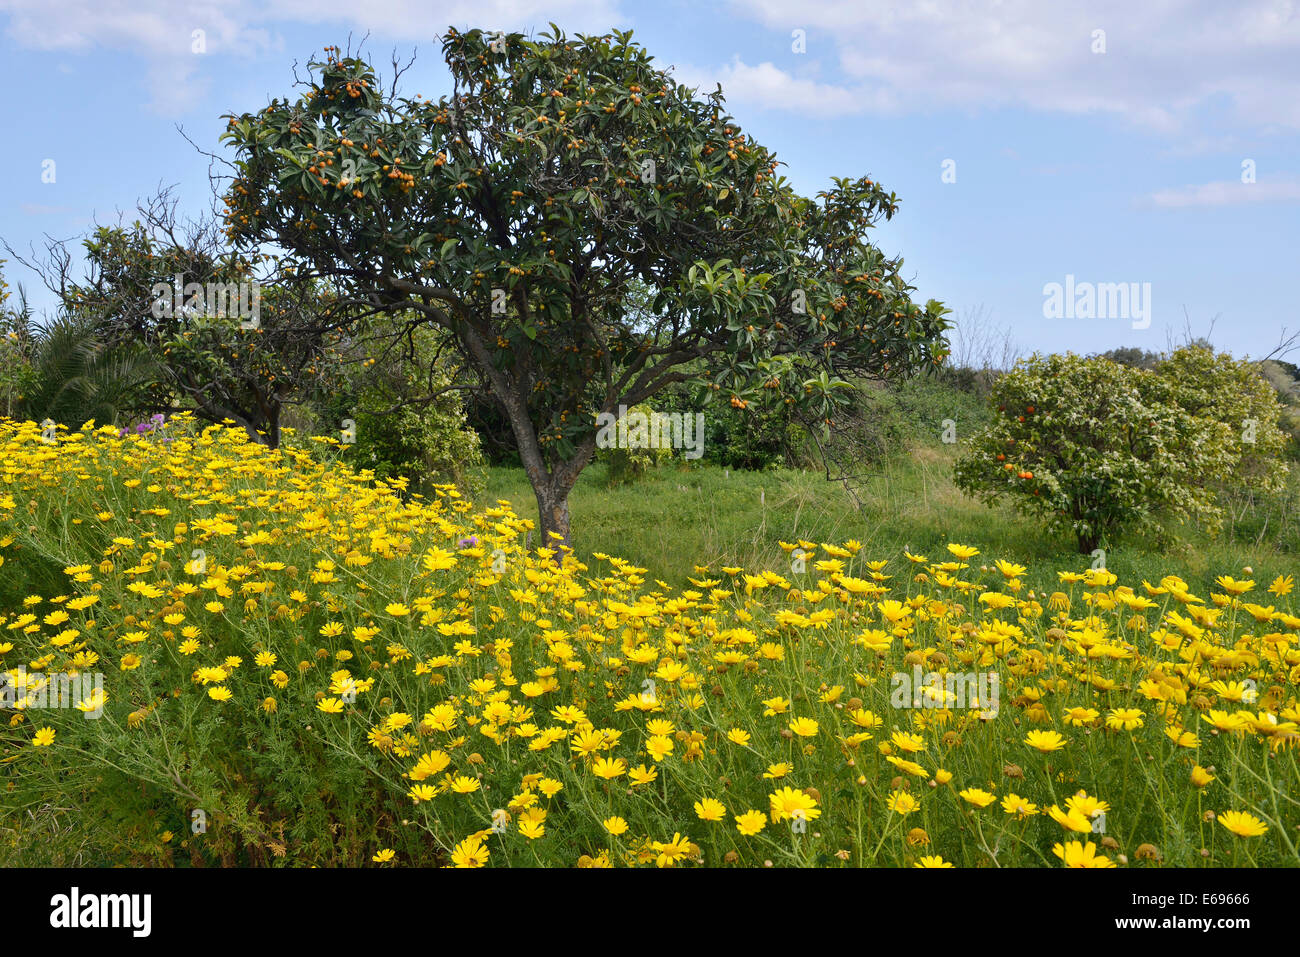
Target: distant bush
(882, 420)
(395, 430)
(1285, 380)
(428, 444)
(752, 437)
(1134, 357)
(629, 464)
(886, 419)
(975, 382)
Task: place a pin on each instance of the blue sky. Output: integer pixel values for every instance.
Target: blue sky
(1114, 165)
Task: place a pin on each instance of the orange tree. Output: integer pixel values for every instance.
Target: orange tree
(1094, 447)
(517, 212)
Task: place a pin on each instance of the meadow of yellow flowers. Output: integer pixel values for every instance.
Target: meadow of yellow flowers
(295, 664)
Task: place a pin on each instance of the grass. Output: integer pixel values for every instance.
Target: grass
(682, 516)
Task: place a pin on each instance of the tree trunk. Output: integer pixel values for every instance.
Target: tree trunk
(273, 428)
(263, 433)
(1088, 542)
(552, 485)
(553, 510)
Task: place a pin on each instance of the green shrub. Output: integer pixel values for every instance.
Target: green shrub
(1236, 393)
(749, 436)
(428, 444)
(1094, 448)
(629, 464)
(754, 438)
(887, 419)
(386, 421)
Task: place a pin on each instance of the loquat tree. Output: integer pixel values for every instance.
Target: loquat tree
(517, 212)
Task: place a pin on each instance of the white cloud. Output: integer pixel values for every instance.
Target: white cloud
(40, 209)
(770, 86)
(425, 21)
(1165, 60)
(155, 27)
(164, 26)
(161, 31)
(1227, 193)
